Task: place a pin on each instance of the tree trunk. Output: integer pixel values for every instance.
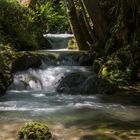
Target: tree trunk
(84, 29)
(99, 23)
(87, 20)
(75, 26)
(138, 5)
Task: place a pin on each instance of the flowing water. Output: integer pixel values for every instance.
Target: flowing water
(58, 41)
(32, 96)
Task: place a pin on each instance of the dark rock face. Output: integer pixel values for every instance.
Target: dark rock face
(25, 62)
(71, 84)
(97, 85)
(45, 43)
(85, 60)
(81, 83)
(5, 80)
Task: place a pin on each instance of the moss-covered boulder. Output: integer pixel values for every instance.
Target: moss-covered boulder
(34, 131)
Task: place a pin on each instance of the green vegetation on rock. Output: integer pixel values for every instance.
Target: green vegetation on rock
(34, 131)
(6, 58)
(72, 44)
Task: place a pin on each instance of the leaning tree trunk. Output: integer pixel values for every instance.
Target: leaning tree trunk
(95, 12)
(87, 22)
(84, 29)
(75, 26)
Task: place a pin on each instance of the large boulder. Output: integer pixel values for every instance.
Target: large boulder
(83, 83)
(25, 62)
(71, 83)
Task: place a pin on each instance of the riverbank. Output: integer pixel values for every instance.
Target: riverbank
(125, 95)
(80, 131)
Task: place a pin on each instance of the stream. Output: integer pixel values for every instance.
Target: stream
(32, 96)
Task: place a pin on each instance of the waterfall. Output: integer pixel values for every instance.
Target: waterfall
(58, 41)
(42, 79)
(46, 77)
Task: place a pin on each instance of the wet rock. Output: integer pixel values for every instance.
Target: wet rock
(86, 84)
(25, 62)
(26, 82)
(6, 79)
(71, 84)
(85, 60)
(97, 85)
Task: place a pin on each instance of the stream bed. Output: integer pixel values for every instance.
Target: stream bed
(70, 117)
(33, 96)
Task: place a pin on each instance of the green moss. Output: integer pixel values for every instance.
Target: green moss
(72, 44)
(34, 130)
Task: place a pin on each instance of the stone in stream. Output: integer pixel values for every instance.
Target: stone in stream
(82, 83)
(25, 62)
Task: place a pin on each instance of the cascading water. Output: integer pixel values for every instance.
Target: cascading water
(42, 79)
(32, 96)
(58, 41)
(34, 91)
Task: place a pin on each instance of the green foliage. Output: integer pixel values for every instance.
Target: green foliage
(104, 72)
(109, 46)
(23, 27)
(34, 130)
(120, 78)
(119, 25)
(116, 73)
(97, 64)
(15, 25)
(57, 19)
(6, 58)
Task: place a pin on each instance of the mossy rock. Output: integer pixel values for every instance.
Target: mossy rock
(72, 44)
(34, 131)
